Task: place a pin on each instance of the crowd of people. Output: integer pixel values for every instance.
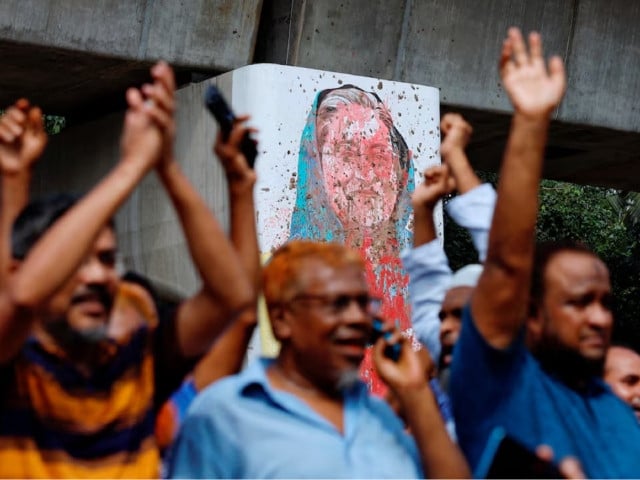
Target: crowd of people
(101, 378)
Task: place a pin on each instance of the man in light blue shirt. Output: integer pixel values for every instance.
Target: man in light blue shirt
(306, 413)
(438, 296)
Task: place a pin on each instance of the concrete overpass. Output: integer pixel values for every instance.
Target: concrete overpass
(76, 57)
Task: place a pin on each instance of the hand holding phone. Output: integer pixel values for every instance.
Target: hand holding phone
(223, 114)
(505, 457)
(390, 351)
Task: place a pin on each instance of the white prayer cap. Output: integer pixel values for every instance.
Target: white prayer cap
(467, 276)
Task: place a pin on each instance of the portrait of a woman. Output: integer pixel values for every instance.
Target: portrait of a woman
(354, 181)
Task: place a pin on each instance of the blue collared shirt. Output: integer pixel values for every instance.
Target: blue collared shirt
(508, 389)
(240, 427)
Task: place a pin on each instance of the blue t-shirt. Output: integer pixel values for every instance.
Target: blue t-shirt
(507, 388)
(240, 427)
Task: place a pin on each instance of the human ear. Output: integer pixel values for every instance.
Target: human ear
(279, 323)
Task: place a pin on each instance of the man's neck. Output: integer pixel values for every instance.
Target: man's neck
(573, 370)
(326, 403)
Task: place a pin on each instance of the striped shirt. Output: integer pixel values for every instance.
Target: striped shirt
(59, 421)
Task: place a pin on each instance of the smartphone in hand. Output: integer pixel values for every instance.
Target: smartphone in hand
(505, 457)
(218, 107)
(390, 351)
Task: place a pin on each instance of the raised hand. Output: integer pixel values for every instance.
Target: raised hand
(149, 126)
(437, 183)
(239, 175)
(161, 93)
(22, 138)
(410, 371)
(532, 89)
(456, 132)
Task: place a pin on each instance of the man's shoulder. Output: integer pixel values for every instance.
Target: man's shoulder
(227, 391)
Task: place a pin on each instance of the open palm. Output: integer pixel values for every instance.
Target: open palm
(532, 88)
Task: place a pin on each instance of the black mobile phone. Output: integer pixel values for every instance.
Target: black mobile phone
(390, 351)
(223, 114)
(505, 457)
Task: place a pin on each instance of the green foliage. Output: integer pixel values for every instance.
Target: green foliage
(53, 124)
(606, 220)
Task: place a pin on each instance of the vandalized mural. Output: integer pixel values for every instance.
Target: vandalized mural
(355, 176)
(349, 174)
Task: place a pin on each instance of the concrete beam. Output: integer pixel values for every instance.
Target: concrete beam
(73, 56)
(454, 45)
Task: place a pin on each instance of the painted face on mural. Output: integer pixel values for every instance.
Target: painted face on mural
(360, 167)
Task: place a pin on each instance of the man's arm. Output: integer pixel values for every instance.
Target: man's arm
(56, 256)
(22, 141)
(426, 263)
(473, 207)
(500, 299)
(226, 355)
(441, 457)
(226, 290)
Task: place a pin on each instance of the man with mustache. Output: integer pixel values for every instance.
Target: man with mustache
(552, 393)
(306, 413)
(85, 357)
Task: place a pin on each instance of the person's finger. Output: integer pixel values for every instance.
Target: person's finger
(570, 468)
(162, 72)
(161, 118)
(545, 452)
(6, 135)
(432, 171)
(16, 114)
(15, 127)
(162, 97)
(236, 135)
(519, 48)
(35, 120)
(22, 104)
(242, 118)
(134, 98)
(445, 124)
(557, 72)
(506, 54)
(535, 46)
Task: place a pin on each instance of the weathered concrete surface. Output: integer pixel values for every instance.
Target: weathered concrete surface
(148, 230)
(76, 57)
(454, 45)
(73, 56)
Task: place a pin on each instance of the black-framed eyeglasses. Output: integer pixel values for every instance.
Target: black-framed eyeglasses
(337, 304)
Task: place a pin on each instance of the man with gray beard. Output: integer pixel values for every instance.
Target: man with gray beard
(306, 413)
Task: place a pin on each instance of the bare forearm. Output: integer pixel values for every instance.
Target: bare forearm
(424, 229)
(441, 457)
(511, 239)
(58, 254)
(466, 179)
(213, 255)
(227, 354)
(244, 234)
(15, 196)
(500, 302)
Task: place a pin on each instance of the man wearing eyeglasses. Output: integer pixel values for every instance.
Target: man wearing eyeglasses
(306, 413)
